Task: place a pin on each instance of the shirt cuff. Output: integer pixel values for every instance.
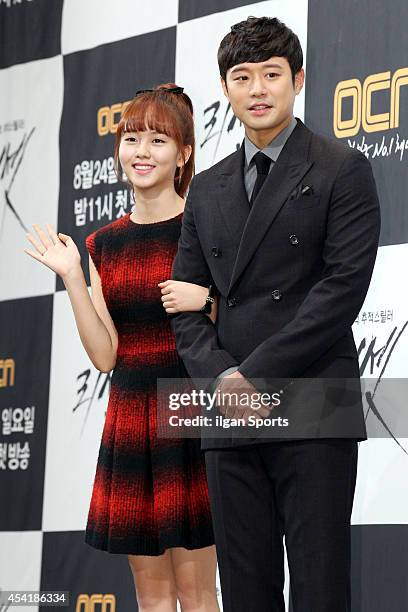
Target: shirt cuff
(212, 387)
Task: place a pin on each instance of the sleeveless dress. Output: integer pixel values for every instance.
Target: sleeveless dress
(150, 493)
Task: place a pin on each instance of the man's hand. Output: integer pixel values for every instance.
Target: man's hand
(241, 404)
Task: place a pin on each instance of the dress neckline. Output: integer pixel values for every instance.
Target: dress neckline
(153, 222)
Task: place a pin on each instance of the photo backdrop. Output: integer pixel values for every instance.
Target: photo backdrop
(67, 69)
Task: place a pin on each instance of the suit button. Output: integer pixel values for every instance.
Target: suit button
(215, 252)
(294, 239)
(232, 301)
(276, 294)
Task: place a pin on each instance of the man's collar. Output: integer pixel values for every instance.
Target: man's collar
(273, 148)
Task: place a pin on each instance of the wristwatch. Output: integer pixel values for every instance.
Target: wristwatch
(209, 301)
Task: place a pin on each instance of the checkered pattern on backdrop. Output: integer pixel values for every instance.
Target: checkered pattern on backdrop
(67, 67)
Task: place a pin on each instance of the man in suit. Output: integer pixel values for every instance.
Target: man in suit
(286, 228)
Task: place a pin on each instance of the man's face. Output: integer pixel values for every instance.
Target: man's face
(262, 94)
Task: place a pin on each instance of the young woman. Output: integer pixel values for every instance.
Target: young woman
(150, 497)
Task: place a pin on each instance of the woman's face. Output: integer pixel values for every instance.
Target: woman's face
(149, 159)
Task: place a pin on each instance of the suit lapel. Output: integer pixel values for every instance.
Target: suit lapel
(231, 196)
(289, 169)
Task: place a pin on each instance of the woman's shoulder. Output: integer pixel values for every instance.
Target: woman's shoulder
(97, 237)
(96, 241)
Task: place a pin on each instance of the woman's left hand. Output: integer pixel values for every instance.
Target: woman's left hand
(178, 296)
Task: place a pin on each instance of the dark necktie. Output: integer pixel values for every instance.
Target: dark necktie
(262, 163)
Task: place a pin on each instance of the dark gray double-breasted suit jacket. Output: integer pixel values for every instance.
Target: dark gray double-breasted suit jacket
(292, 273)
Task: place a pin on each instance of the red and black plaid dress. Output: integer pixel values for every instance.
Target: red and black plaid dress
(150, 493)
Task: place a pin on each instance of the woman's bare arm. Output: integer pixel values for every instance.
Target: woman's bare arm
(179, 296)
(95, 326)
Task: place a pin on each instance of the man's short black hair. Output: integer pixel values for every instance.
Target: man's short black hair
(257, 39)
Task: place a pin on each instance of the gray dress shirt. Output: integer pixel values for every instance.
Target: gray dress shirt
(272, 150)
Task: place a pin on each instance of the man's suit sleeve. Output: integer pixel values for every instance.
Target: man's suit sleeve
(196, 336)
(332, 304)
